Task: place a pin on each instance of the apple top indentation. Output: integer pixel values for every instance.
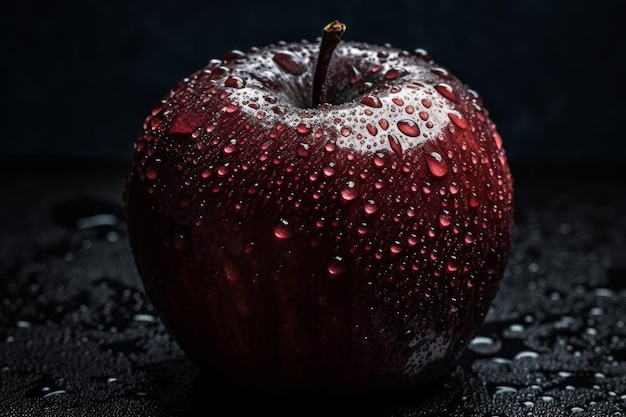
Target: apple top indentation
(390, 105)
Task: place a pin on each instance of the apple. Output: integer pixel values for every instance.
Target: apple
(327, 216)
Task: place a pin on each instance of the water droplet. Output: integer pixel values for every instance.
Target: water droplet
(384, 124)
(336, 266)
(398, 101)
(379, 161)
(303, 128)
(371, 101)
(349, 192)
(426, 102)
(484, 345)
(395, 145)
(230, 108)
(233, 55)
(372, 129)
(235, 82)
(302, 150)
(446, 91)
(442, 72)
(458, 120)
(282, 229)
(436, 165)
(409, 128)
(329, 170)
(289, 62)
(354, 76)
(444, 220)
(392, 74)
(370, 207)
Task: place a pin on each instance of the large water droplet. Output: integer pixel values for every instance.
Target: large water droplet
(349, 192)
(395, 145)
(446, 91)
(282, 229)
(409, 128)
(336, 266)
(235, 82)
(436, 165)
(371, 101)
(354, 76)
(458, 120)
(289, 62)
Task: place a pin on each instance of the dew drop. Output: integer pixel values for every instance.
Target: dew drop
(444, 220)
(395, 145)
(329, 170)
(303, 128)
(370, 207)
(289, 62)
(354, 76)
(349, 192)
(392, 74)
(336, 266)
(426, 102)
(230, 108)
(409, 128)
(371, 101)
(458, 120)
(446, 91)
(384, 124)
(302, 150)
(235, 82)
(372, 129)
(436, 165)
(282, 230)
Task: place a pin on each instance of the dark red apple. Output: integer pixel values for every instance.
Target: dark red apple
(316, 220)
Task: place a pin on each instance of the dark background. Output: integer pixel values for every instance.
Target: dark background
(80, 76)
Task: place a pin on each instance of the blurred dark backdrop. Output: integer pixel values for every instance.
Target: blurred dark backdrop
(80, 75)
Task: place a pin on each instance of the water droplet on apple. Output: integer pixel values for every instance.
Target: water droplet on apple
(289, 62)
(230, 108)
(436, 165)
(336, 266)
(446, 91)
(458, 120)
(371, 101)
(409, 128)
(329, 170)
(378, 161)
(372, 129)
(349, 192)
(235, 82)
(152, 170)
(442, 72)
(392, 74)
(444, 220)
(303, 128)
(233, 55)
(354, 76)
(282, 229)
(395, 145)
(370, 207)
(302, 150)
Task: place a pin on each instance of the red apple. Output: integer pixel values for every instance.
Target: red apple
(311, 218)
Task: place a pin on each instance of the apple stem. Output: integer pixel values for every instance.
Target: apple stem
(331, 35)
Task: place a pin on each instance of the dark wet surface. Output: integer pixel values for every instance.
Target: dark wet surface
(78, 336)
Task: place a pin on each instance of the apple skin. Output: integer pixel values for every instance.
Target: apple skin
(351, 247)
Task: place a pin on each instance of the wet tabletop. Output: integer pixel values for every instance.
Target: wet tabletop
(78, 336)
